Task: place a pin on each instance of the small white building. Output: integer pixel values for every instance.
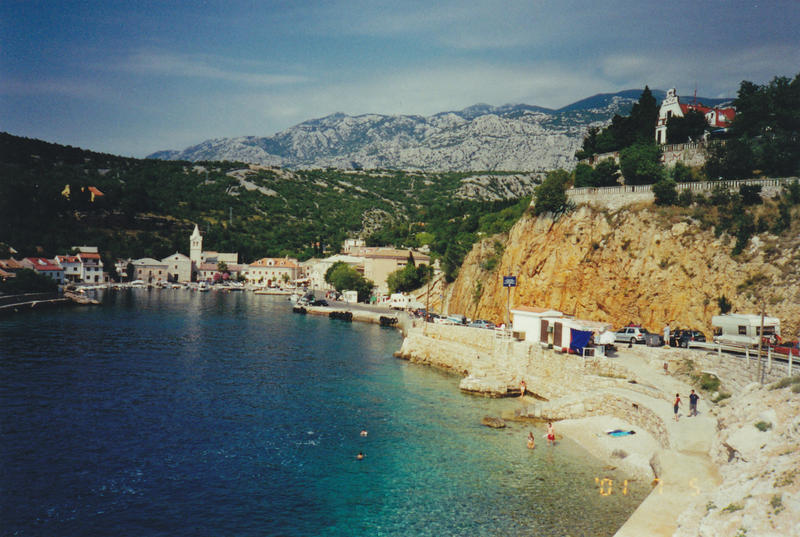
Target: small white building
(73, 269)
(179, 267)
(533, 321)
(92, 267)
(552, 327)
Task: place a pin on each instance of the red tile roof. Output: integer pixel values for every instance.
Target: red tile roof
(43, 264)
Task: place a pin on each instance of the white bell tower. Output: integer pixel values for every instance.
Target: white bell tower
(195, 246)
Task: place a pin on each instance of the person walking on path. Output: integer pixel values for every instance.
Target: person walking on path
(676, 404)
(693, 397)
(551, 434)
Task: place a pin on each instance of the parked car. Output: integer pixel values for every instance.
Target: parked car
(481, 323)
(457, 318)
(788, 347)
(631, 334)
(319, 302)
(432, 317)
(681, 338)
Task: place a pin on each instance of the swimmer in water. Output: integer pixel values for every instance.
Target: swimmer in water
(363, 432)
(531, 440)
(360, 456)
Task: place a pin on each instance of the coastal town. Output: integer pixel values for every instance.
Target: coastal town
(85, 267)
(401, 269)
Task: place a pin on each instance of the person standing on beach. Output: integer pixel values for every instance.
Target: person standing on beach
(522, 388)
(551, 434)
(693, 397)
(666, 335)
(676, 404)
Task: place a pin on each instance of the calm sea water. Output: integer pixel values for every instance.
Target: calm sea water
(177, 413)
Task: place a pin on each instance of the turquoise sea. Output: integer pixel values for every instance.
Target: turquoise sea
(167, 412)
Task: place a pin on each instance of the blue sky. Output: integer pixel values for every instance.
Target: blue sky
(133, 77)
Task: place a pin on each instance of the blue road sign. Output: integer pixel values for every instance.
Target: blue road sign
(509, 281)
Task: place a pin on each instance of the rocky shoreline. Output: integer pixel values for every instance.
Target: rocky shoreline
(714, 474)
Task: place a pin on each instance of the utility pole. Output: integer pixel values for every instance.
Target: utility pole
(427, 307)
(760, 341)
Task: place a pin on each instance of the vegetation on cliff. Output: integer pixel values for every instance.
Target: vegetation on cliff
(765, 134)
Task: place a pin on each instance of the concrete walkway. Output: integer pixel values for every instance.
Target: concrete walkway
(686, 473)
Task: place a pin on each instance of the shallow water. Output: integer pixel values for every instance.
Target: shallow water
(177, 413)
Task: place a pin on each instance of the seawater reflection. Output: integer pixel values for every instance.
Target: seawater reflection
(180, 413)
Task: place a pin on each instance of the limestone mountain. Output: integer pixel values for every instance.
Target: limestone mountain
(478, 138)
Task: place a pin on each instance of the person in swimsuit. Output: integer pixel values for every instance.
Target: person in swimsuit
(360, 456)
(522, 388)
(531, 440)
(676, 404)
(551, 434)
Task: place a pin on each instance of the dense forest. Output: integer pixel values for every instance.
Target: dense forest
(149, 207)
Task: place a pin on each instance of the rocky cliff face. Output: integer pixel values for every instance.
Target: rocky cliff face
(633, 265)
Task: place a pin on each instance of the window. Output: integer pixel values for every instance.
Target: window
(742, 330)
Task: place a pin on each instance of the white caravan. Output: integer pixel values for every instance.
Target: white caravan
(743, 328)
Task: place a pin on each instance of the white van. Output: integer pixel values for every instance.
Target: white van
(398, 301)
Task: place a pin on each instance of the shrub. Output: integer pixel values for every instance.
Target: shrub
(665, 193)
(582, 175)
(721, 397)
(685, 198)
(785, 382)
(763, 426)
(641, 164)
(724, 305)
(733, 507)
(551, 195)
(682, 173)
(750, 194)
(28, 281)
(709, 383)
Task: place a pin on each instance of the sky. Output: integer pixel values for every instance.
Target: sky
(134, 77)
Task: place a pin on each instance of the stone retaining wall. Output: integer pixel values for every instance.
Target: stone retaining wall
(598, 404)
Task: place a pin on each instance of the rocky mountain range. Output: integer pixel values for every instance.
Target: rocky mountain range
(478, 138)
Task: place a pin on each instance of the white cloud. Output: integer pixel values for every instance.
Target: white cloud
(203, 66)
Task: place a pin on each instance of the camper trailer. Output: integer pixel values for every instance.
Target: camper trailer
(743, 328)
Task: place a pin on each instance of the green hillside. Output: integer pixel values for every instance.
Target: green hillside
(149, 207)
